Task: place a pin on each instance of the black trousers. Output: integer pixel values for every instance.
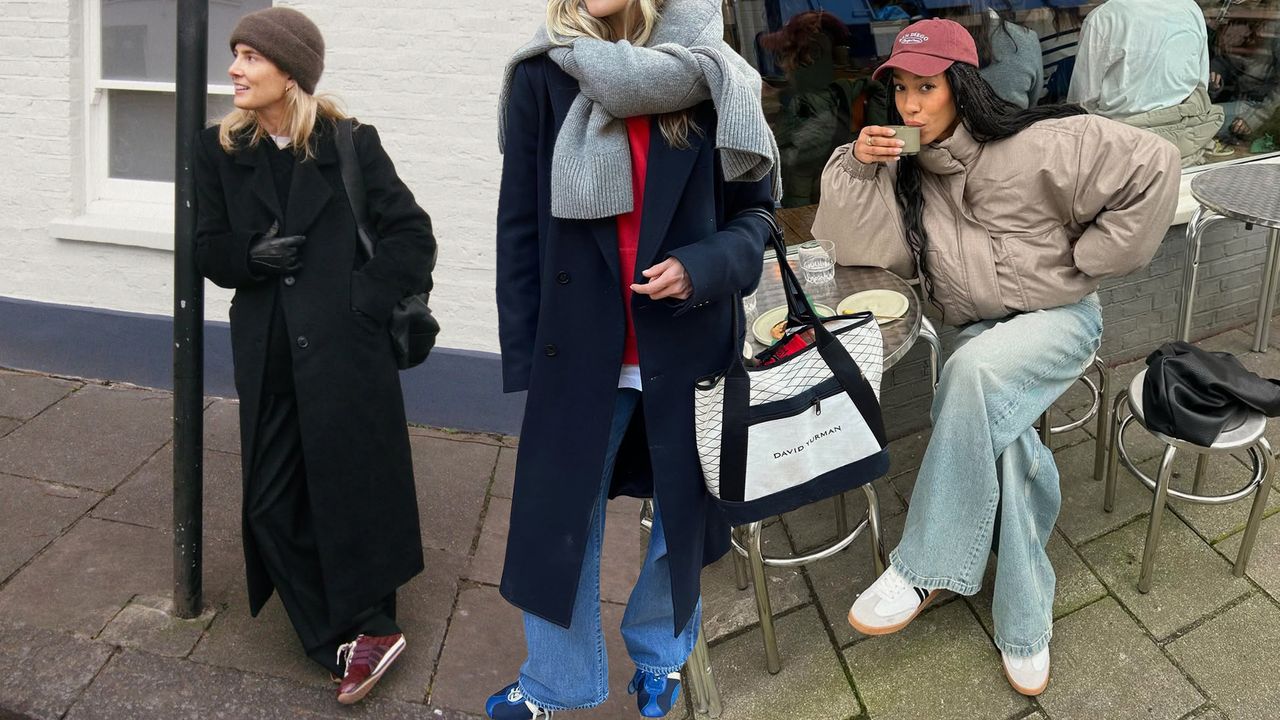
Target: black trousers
(280, 518)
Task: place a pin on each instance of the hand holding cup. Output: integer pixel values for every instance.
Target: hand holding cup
(881, 143)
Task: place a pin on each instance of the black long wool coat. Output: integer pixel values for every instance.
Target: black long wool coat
(561, 324)
(336, 308)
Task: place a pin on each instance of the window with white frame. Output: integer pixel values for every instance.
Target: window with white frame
(131, 59)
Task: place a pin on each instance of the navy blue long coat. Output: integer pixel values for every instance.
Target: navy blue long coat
(561, 322)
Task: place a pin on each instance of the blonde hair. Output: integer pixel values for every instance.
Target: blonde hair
(569, 19)
(302, 109)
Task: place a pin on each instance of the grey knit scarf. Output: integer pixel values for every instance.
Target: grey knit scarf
(686, 62)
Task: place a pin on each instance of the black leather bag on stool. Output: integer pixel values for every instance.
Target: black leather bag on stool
(803, 422)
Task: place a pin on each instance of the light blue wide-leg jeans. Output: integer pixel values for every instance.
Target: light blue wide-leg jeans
(567, 669)
(984, 454)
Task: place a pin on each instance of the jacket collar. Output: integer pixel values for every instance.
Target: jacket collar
(309, 192)
(953, 155)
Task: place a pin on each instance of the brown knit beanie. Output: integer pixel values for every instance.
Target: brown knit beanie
(287, 38)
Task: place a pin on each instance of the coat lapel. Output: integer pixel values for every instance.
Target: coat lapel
(262, 184)
(309, 192)
(564, 90)
(665, 179)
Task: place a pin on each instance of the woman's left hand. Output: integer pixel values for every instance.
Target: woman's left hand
(667, 279)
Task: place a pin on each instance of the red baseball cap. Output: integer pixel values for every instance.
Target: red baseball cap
(928, 47)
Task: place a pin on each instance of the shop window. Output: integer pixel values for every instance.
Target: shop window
(1211, 65)
(131, 53)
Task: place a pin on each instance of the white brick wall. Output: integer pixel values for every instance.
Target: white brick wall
(425, 72)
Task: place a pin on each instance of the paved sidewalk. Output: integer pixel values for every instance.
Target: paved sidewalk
(86, 547)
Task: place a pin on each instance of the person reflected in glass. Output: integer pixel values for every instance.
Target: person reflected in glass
(329, 516)
(622, 249)
(1146, 63)
(816, 109)
(1009, 56)
(1011, 218)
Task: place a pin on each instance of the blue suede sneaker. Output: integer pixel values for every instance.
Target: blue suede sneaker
(509, 703)
(655, 694)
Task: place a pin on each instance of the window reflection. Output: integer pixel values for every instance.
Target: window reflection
(1202, 73)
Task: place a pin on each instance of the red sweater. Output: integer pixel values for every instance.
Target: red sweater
(629, 227)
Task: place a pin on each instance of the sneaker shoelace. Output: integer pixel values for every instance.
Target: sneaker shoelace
(516, 695)
(894, 585)
(354, 652)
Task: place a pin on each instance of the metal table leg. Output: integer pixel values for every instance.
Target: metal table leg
(1200, 221)
(1266, 301)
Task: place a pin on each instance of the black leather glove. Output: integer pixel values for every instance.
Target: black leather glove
(270, 255)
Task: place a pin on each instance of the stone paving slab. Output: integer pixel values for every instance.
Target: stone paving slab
(1190, 580)
(146, 498)
(504, 475)
(1081, 517)
(97, 567)
(942, 665)
(485, 647)
(1076, 587)
(136, 685)
(811, 684)
(93, 438)
(1103, 665)
(34, 514)
(625, 544)
(906, 452)
(149, 624)
(25, 395)
(42, 672)
(7, 425)
(453, 479)
(267, 644)
(1233, 657)
(222, 426)
(1264, 562)
(727, 610)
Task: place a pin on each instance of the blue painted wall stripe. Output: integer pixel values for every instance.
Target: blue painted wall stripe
(460, 389)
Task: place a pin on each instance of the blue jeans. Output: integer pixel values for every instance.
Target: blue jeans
(985, 456)
(567, 669)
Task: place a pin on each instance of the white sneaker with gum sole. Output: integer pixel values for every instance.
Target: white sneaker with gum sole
(889, 604)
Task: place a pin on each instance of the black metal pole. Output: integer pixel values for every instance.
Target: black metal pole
(188, 315)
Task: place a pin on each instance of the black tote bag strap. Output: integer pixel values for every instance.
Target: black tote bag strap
(850, 377)
(799, 310)
(353, 182)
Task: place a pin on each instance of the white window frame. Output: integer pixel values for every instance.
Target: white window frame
(100, 188)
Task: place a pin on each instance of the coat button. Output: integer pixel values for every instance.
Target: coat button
(289, 280)
(562, 277)
(303, 342)
(550, 350)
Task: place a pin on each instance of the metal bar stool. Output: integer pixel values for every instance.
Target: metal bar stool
(1244, 193)
(697, 668)
(748, 555)
(1248, 436)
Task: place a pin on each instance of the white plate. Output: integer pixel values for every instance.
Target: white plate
(886, 305)
(765, 322)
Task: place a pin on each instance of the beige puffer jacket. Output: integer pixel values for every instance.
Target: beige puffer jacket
(1033, 221)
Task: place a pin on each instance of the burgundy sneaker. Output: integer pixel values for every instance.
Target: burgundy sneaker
(368, 657)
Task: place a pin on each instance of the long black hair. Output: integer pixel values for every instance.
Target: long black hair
(988, 118)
